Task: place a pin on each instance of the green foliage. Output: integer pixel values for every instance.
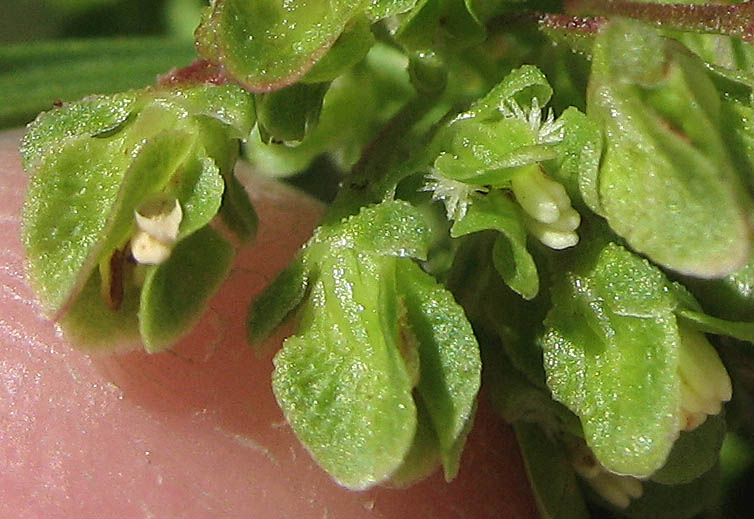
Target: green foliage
(372, 328)
(682, 203)
(585, 249)
(96, 163)
(611, 355)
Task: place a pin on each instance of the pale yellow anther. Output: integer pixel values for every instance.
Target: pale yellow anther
(160, 219)
(157, 230)
(705, 383)
(148, 250)
(613, 488)
(549, 215)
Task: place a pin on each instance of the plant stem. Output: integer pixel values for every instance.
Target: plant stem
(384, 162)
(732, 20)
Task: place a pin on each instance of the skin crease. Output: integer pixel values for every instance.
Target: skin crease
(194, 432)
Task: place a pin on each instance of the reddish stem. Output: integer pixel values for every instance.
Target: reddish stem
(200, 71)
(572, 24)
(732, 20)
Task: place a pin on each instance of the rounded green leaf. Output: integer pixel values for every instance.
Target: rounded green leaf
(614, 361)
(666, 183)
(450, 366)
(267, 44)
(66, 214)
(341, 381)
(176, 292)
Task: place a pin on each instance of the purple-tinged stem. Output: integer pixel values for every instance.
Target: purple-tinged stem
(732, 20)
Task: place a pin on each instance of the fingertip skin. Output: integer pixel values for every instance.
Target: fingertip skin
(193, 432)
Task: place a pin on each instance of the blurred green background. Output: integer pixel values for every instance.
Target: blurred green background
(62, 50)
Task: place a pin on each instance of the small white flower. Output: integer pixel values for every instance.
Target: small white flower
(457, 196)
(613, 488)
(548, 131)
(157, 226)
(547, 207)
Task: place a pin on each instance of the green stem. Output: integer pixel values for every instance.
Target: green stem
(732, 20)
(387, 160)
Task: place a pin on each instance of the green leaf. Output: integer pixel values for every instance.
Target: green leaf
(552, 479)
(280, 298)
(442, 27)
(237, 211)
(611, 355)
(149, 172)
(391, 228)
(666, 182)
(199, 188)
(176, 292)
(578, 159)
(228, 104)
(350, 48)
(520, 85)
(694, 453)
(34, 75)
(89, 117)
(424, 456)
(379, 9)
(743, 331)
(341, 381)
(731, 297)
(92, 325)
(676, 501)
(490, 152)
(449, 359)
(68, 205)
(291, 113)
(266, 44)
(511, 258)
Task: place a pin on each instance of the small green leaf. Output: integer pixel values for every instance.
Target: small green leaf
(228, 104)
(237, 211)
(341, 381)
(694, 453)
(512, 259)
(510, 256)
(743, 331)
(291, 113)
(199, 188)
(449, 359)
(442, 27)
(149, 172)
(176, 292)
(392, 228)
(578, 159)
(350, 48)
(676, 501)
(552, 479)
(92, 325)
(666, 182)
(424, 456)
(268, 44)
(379, 9)
(89, 117)
(279, 299)
(731, 297)
(611, 355)
(521, 85)
(68, 206)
